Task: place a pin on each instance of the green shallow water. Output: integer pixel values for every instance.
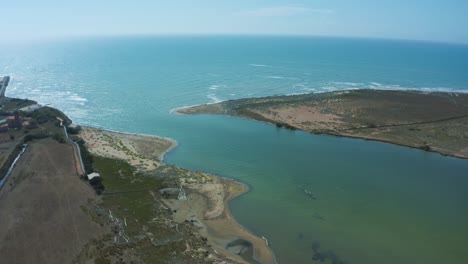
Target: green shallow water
(376, 203)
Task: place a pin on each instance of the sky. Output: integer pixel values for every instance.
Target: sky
(430, 20)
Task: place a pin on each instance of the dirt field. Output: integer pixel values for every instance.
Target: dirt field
(42, 220)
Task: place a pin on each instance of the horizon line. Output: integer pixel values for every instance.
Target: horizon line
(117, 35)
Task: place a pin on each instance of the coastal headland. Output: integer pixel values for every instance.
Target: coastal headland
(136, 210)
(431, 121)
(41, 201)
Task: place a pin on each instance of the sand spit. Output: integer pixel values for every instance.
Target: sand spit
(141, 151)
(435, 121)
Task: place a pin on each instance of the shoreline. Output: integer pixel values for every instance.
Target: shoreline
(213, 217)
(329, 134)
(176, 110)
(173, 141)
(222, 229)
(142, 151)
(327, 114)
(383, 141)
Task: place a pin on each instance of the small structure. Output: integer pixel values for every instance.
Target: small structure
(60, 119)
(93, 175)
(96, 182)
(30, 108)
(14, 121)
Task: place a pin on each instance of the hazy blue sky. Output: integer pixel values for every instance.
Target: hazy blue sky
(436, 20)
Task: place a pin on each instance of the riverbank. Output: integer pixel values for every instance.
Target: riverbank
(434, 121)
(205, 205)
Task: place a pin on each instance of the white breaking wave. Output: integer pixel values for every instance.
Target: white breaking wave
(275, 77)
(335, 86)
(216, 86)
(77, 98)
(348, 83)
(214, 98)
(376, 84)
(47, 97)
(278, 77)
(259, 65)
(301, 88)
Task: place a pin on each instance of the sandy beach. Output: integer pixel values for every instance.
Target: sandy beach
(141, 151)
(206, 207)
(207, 196)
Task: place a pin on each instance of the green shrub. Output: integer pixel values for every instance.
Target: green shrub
(59, 138)
(73, 130)
(86, 156)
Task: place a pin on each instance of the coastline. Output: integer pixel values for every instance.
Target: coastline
(143, 151)
(221, 229)
(404, 118)
(208, 196)
(143, 171)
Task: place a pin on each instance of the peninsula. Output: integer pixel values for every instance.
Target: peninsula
(431, 121)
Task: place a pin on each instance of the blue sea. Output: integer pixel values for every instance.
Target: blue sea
(376, 203)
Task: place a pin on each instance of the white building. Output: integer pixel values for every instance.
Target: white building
(93, 175)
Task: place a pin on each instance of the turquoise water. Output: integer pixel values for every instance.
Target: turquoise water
(376, 203)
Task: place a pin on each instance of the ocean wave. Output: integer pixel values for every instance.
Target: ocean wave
(301, 88)
(348, 83)
(258, 65)
(77, 98)
(279, 77)
(214, 98)
(44, 96)
(216, 86)
(335, 86)
(376, 84)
